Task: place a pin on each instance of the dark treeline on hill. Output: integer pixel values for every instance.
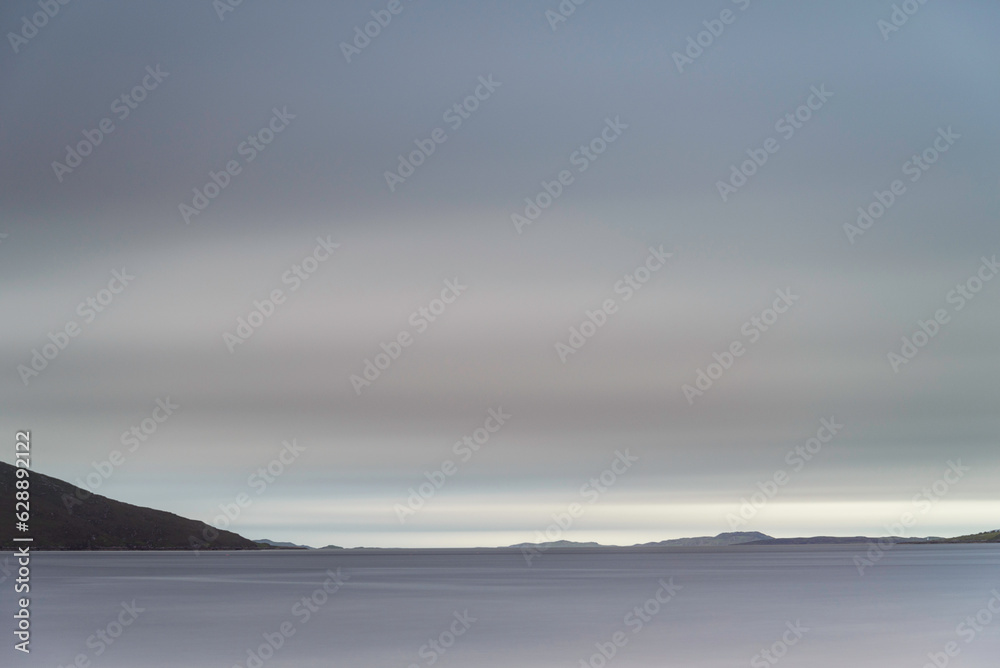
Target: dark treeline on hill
(60, 520)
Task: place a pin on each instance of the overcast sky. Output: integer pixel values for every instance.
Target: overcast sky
(642, 125)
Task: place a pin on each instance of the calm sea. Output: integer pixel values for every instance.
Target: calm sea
(807, 606)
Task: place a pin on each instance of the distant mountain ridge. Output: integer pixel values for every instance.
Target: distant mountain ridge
(294, 546)
(757, 538)
(281, 545)
(984, 537)
(728, 538)
(558, 543)
(833, 540)
(723, 539)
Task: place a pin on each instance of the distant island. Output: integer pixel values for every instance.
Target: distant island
(757, 538)
(984, 537)
(723, 539)
(65, 517)
(294, 546)
(557, 543)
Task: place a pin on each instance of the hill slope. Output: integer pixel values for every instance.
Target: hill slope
(99, 523)
(984, 537)
(723, 539)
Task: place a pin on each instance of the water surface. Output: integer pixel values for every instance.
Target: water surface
(493, 609)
